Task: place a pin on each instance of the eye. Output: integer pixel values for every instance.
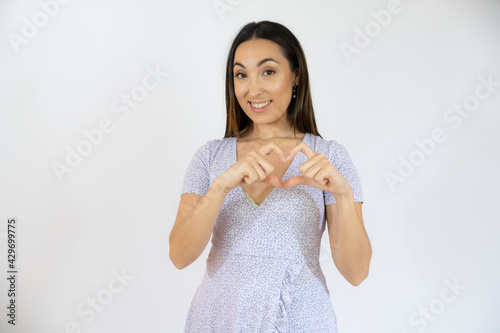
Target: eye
(268, 72)
(240, 75)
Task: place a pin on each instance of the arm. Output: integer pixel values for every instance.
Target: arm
(349, 243)
(194, 223)
(351, 249)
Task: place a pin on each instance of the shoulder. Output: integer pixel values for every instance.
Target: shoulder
(214, 148)
(217, 145)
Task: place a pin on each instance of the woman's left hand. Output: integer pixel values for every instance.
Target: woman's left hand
(318, 172)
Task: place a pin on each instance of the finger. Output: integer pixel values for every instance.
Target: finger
(264, 164)
(250, 176)
(254, 158)
(297, 180)
(257, 167)
(274, 180)
(313, 170)
(323, 176)
(254, 169)
(265, 175)
(301, 147)
(272, 147)
(261, 167)
(310, 163)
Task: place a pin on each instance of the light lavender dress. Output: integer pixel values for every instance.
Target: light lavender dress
(263, 272)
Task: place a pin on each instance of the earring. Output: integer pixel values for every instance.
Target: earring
(294, 91)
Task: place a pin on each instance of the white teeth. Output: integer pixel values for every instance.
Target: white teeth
(261, 105)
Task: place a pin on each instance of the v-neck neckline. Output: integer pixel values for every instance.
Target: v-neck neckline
(240, 188)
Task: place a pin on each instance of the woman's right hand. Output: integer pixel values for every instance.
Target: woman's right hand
(252, 168)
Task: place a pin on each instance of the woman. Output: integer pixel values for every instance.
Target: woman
(265, 205)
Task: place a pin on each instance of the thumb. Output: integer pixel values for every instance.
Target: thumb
(274, 180)
(294, 181)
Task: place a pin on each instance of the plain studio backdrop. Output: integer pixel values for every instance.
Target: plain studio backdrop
(103, 104)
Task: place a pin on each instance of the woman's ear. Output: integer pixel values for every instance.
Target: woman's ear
(296, 77)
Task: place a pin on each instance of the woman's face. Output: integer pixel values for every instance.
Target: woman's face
(263, 81)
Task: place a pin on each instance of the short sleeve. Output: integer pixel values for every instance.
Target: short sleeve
(339, 157)
(196, 178)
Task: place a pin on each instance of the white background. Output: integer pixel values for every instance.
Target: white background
(113, 213)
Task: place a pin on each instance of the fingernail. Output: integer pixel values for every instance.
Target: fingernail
(286, 158)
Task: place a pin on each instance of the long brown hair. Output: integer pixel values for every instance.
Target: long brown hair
(300, 112)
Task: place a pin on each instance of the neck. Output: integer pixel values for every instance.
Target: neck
(270, 131)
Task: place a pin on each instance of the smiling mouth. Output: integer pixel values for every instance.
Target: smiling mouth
(260, 105)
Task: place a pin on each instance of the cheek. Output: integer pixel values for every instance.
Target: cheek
(239, 91)
(240, 94)
(282, 88)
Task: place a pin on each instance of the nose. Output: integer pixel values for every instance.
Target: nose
(255, 87)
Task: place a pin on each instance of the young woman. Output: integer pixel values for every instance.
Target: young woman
(264, 194)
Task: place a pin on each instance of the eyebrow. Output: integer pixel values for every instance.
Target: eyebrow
(259, 64)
